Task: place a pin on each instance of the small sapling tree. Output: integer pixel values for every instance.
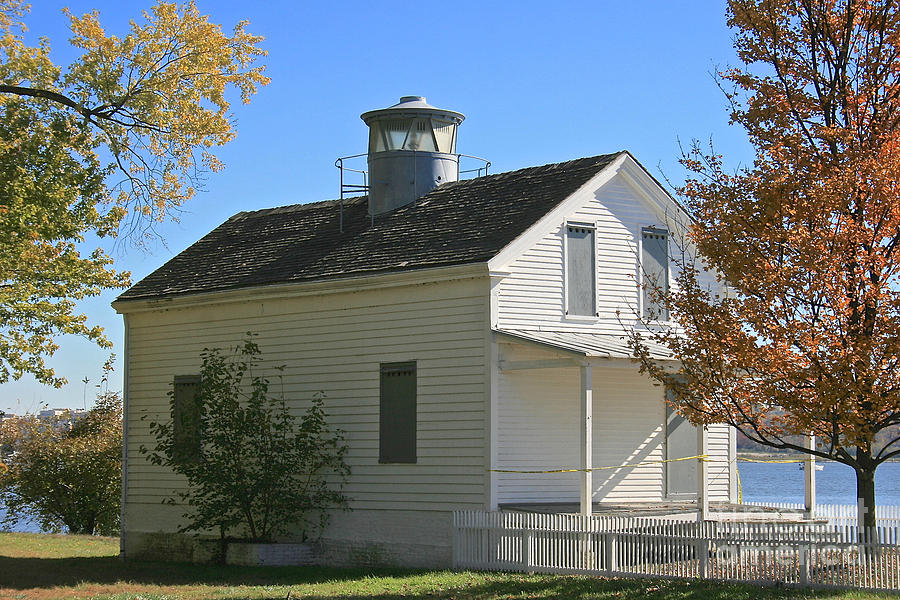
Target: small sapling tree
(254, 470)
(65, 472)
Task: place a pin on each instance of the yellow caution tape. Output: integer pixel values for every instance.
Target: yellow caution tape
(647, 462)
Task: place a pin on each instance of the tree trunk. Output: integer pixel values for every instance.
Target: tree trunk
(865, 493)
(222, 558)
(77, 529)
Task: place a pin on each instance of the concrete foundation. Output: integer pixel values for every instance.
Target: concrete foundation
(363, 538)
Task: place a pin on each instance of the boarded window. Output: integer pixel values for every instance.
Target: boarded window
(580, 271)
(186, 416)
(655, 267)
(397, 429)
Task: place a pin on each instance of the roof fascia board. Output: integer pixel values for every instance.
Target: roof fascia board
(307, 288)
(612, 363)
(577, 358)
(530, 365)
(562, 363)
(552, 219)
(503, 337)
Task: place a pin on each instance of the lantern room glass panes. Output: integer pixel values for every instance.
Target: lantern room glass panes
(445, 136)
(422, 134)
(389, 134)
(420, 137)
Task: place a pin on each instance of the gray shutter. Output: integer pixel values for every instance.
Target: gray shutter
(186, 417)
(397, 423)
(681, 442)
(580, 269)
(655, 265)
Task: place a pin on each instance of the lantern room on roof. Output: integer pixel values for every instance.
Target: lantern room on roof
(412, 150)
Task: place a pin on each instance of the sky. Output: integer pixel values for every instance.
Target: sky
(539, 82)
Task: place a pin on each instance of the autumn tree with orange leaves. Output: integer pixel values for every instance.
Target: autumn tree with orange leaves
(805, 336)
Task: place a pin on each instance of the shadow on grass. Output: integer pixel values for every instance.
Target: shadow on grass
(46, 573)
(26, 573)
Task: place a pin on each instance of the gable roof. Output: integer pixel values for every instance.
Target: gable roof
(457, 223)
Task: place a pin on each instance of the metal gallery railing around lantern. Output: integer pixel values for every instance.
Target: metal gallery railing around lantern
(352, 189)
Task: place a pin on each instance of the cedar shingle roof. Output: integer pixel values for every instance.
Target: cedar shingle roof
(457, 223)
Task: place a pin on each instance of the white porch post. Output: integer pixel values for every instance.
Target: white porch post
(702, 479)
(587, 438)
(810, 478)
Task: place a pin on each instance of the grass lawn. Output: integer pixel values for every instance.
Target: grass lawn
(49, 566)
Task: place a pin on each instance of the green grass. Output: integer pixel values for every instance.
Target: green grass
(48, 566)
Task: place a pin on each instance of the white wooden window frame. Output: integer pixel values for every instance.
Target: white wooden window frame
(640, 272)
(565, 260)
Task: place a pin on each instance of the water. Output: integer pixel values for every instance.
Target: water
(769, 482)
(835, 484)
(24, 525)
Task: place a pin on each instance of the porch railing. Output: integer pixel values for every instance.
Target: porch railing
(804, 554)
(843, 515)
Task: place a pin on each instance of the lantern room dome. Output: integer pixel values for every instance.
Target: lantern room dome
(412, 106)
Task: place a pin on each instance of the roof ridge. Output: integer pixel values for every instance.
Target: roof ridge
(588, 160)
(523, 172)
(539, 169)
(298, 207)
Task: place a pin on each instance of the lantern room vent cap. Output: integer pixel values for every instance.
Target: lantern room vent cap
(412, 106)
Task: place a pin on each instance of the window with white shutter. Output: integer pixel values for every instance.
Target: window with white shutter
(581, 266)
(655, 273)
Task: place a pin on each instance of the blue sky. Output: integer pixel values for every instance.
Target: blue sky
(539, 82)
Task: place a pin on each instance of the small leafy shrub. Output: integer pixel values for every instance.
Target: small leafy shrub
(261, 472)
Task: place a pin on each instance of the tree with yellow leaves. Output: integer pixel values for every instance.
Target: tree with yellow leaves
(108, 145)
(803, 335)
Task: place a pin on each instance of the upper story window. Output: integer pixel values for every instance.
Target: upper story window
(581, 267)
(655, 273)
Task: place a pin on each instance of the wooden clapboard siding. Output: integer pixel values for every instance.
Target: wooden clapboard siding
(537, 429)
(335, 343)
(628, 410)
(533, 295)
(628, 429)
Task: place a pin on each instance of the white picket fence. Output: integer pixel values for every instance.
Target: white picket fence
(804, 554)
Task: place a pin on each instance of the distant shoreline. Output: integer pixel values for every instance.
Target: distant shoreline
(778, 456)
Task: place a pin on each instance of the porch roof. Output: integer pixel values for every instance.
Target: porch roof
(588, 345)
